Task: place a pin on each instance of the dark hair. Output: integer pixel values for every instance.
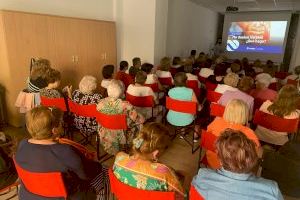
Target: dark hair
(147, 67)
(108, 71)
(123, 65)
(133, 71)
(176, 60)
(135, 60)
(236, 152)
(220, 70)
(193, 52)
(141, 77)
(53, 76)
(180, 79)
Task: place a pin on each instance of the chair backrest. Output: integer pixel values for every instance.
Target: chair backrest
(281, 75)
(193, 84)
(213, 96)
(258, 102)
(201, 79)
(188, 107)
(154, 87)
(146, 101)
(275, 123)
(54, 102)
(126, 192)
(216, 110)
(194, 194)
(82, 110)
(165, 81)
(208, 141)
(292, 82)
(273, 86)
(210, 86)
(111, 121)
(48, 184)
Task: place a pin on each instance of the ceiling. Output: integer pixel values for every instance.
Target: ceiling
(251, 5)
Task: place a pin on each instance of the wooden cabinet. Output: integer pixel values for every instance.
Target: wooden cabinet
(76, 47)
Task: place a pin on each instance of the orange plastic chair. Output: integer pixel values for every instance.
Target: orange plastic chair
(216, 110)
(126, 192)
(292, 82)
(213, 96)
(165, 81)
(208, 143)
(193, 84)
(194, 194)
(54, 102)
(154, 87)
(48, 184)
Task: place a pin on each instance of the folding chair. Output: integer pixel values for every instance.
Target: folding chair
(193, 84)
(276, 123)
(273, 86)
(167, 81)
(48, 184)
(153, 86)
(208, 143)
(194, 194)
(123, 191)
(281, 75)
(188, 107)
(210, 86)
(55, 102)
(257, 103)
(8, 189)
(145, 101)
(213, 96)
(201, 78)
(292, 82)
(216, 110)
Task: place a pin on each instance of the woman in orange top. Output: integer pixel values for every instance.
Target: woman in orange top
(235, 117)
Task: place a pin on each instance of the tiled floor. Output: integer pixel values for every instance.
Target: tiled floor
(178, 155)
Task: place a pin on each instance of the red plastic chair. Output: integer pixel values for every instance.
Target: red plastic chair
(201, 79)
(194, 194)
(210, 86)
(281, 75)
(82, 110)
(173, 71)
(193, 84)
(213, 96)
(275, 123)
(292, 82)
(114, 122)
(54, 102)
(273, 86)
(166, 81)
(208, 143)
(146, 101)
(216, 110)
(48, 184)
(153, 86)
(126, 192)
(257, 103)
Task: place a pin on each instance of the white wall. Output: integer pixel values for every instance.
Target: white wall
(190, 26)
(91, 9)
(295, 60)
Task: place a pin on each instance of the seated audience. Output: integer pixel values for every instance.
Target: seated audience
(85, 95)
(113, 104)
(136, 63)
(176, 62)
(236, 117)
(53, 79)
(152, 78)
(139, 90)
(206, 72)
(218, 75)
(257, 66)
(123, 76)
(164, 69)
(38, 75)
(133, 71)
(236, 68)
(193, 55)
(188, 68)
(284, 106)
(231, 81)
(141, 169)
(244, 87)
(262, 91)
(295, 76)
(236, 179)
(107, 74)
(41, 153)
(181, 92)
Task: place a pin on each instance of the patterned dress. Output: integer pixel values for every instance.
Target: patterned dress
(50, 93)
(113, 139)
(146, 175)
(86, 125)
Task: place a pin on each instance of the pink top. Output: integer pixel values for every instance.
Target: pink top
(264, 94)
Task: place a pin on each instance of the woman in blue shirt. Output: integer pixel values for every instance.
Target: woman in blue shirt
(235, 180)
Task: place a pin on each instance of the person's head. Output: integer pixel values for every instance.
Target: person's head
(136, 62)
(286, 101)
(43, 123)
(151, 141)
(219, 60)
(231, 79)
(246, 84)
(250, 72)
(269, 63)
(107, 71)
(220, 70)
(115, 89)
(40, 68)
(237, 112)
(88, 84)
(147, 67)
(262, 83)
(141, 77)
(180, 79)
(165, 64)
(53, 78)
(235, 68)
(176, 60)
(236, 152)
(188, 66)
(123, 65)
(257, 63)
(133, 71)
(297, 70)
(193, 53)
(245, 60)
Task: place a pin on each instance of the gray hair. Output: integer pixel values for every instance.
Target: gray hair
(115, 89)
(88, 84)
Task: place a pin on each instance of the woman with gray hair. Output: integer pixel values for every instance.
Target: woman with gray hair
(86, 94)
(112, 140)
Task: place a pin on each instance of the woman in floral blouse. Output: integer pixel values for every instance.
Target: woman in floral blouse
(141, 169)
(113, 104)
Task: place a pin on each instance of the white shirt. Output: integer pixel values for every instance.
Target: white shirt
(176, 66)
(105, 83)
(222, 88)
(192, 77)
(163, 74)
(151, 78)
(206, 72)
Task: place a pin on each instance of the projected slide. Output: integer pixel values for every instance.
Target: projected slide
(256, 36)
